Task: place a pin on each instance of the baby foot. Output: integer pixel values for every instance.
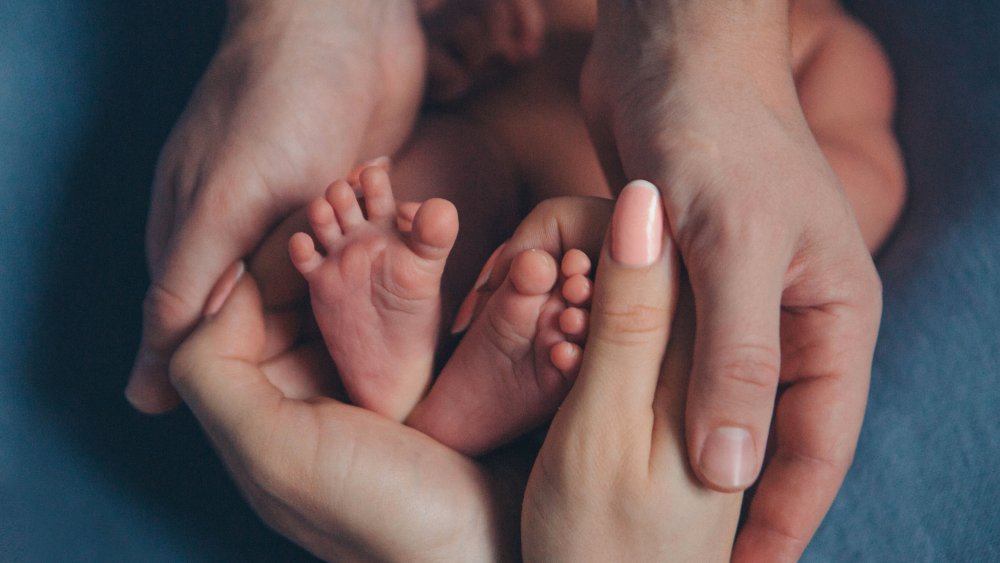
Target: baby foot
(376, 292)
(516, 362)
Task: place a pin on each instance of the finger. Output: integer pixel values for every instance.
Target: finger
(216, 369)
(555, 226)
(816, 427)
(198, 255)
(737, 292)
(633, 304)
(161, 213)
(280, 284)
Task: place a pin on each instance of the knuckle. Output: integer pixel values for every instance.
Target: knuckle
(166, 309)
(730, 228)
(632, 325)
(753, 367)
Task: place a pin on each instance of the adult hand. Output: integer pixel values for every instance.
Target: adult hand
(698, 97)
(345, 483)
(297, 93)
(612, 482)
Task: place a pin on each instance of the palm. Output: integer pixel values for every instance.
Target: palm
(347, 483)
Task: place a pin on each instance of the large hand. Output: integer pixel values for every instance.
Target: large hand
(345, 483)
(297, 93)
(612, 482)
(700, 100)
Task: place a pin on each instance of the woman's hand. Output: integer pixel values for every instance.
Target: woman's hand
(698, 97)
(612, 481)
(345, 483)
(297, 93)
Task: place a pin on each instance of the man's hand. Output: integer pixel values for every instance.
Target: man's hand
(698, 97)
(297, 94)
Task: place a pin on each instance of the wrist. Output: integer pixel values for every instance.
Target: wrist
(696, 36)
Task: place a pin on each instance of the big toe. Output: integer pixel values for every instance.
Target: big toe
(533, 272)
(435, 228)
(513, 311)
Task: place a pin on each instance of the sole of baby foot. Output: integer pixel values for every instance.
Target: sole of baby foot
(501, 381)
(375, 289)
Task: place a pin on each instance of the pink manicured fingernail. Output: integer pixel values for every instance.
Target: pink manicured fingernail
(383, 161)
(637, 226)
(728, 459)
(217, 298)
(464, 317)
(491, 262)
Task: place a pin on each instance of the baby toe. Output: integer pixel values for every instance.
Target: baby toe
(575, 263)
(578, 290)
(435, 228)
(377, 190)
(324, 222)
(574, 323)
(303, 253)
(345, 205)
(533, 272)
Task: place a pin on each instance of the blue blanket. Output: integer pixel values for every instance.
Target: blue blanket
(88, 92)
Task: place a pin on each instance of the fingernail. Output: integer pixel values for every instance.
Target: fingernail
(383, 161)
(144, 389)
(728, 459)
(464, 317)
(484, 275)
(637, 226)
(217, 298)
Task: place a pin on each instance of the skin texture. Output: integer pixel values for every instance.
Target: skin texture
(297, 93)
(611, 482)
(343, 482)
(350, 485)
(783, 284)
(814, 292)
(389, 493)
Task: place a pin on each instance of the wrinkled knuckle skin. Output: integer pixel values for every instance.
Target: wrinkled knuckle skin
(633, 325)
(731, 229)
(755, 367)
(164, 309)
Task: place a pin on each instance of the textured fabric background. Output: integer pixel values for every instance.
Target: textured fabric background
(88, 92)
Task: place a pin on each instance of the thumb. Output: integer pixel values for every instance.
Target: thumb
(731, 395)
(198, 255)
(633, 305)
(217, 369)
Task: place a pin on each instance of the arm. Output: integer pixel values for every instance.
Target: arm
(297, 93)
(847, 93)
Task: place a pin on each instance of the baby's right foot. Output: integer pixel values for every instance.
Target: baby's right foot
(377, 292)
(516, 362)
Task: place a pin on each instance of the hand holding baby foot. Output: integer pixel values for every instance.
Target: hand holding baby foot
(344, 483)
(376, 293)
(611, 482)
(297, 93)
(509, 372)
(784, 286)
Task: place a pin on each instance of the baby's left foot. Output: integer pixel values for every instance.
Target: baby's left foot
(377, 292)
